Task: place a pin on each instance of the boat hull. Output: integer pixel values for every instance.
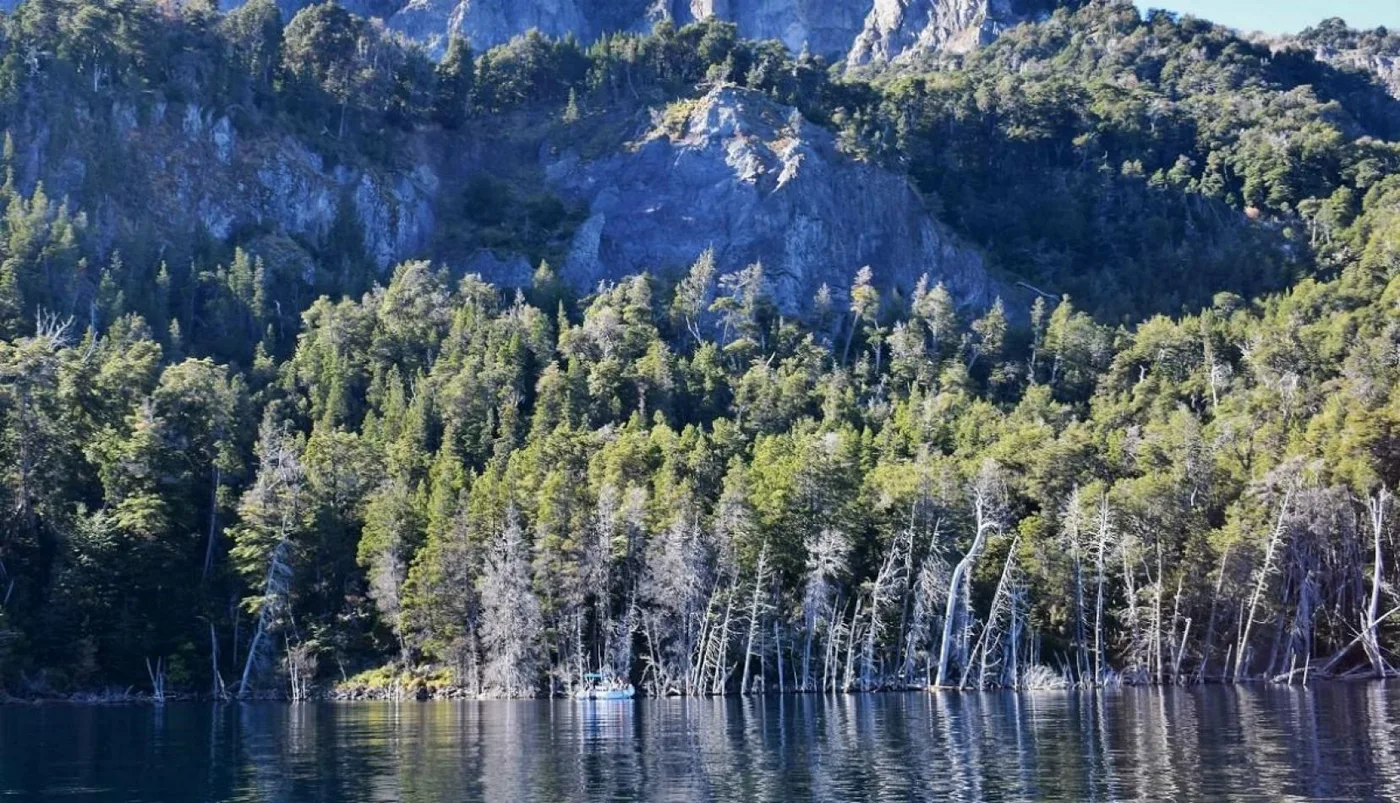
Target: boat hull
(605, 694)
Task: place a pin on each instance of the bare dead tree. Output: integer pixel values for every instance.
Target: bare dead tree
(276, 588)
(595, 570)
(1262, 575)
(1072, 540)
(930, 594)
(757, 607)
(1209, 643)
(300, 662)
(1178, 642)
(277, 493)
(987, 492)
(1155, 661)
(8, 583)
(1377, 506)
(156, 672)
(826, 563)
(713, 664)
(999, 635)
(886, 589)
(1103, 542)
(852, 636)
(511, 620)
(54, 328)
(681, 592)
(1136, 660)
(218, 689)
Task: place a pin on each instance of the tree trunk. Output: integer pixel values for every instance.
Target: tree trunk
(760, 575)
(1209, 643)
(778, 650)
(1242, 654)
(1370, 630)
(213, 525)
(961, 576)
(1099, 560)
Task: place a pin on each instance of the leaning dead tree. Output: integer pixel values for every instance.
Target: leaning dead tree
(1261, 582)
(275, 507)
(995, 657)
(758, 606)
(987, 491)
(276, 588)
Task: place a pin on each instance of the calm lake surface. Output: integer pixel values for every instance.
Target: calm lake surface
(1331, 742)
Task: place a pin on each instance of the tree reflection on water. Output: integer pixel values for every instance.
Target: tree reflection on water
(1334, 741)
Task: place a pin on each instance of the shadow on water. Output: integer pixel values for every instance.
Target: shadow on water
(1330, 742)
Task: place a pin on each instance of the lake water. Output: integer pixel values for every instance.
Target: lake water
(1332, 742)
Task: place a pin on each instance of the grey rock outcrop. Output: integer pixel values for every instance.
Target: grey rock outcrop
(860, 31)
(898, 28)
(486, 23)
(731, 170)
(186, 168)
(827, 27)
(1376, 51)
(1385, 66)
(756, 182)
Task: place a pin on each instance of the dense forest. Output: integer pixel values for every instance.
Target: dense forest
(1172, 462)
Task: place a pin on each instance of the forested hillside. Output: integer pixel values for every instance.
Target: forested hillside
(250, 461)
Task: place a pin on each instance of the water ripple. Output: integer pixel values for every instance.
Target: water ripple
(1331, 742)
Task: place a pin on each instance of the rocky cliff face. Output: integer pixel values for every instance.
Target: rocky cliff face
(861, 31)
(1376, 51)
(755, 181)
(732, 171)
(184, 168)
(1385, 66)
(490, 22)
(827, 27)
(899, 27)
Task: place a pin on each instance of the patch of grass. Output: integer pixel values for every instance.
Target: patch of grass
(676, 115)
(379, 678)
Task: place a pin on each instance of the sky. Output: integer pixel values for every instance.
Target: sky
(1285, 16)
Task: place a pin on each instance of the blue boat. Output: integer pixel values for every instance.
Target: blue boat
(600, 686)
